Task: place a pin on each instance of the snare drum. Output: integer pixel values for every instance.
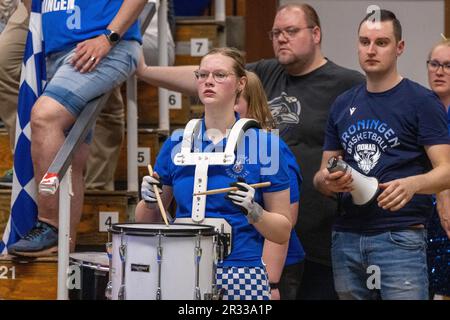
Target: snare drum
(94, 274)
(159, 262)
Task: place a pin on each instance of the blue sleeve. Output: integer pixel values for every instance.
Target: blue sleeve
(295, 177)
(433, 127)
(164, 163)
(294, 187)
(273, 168)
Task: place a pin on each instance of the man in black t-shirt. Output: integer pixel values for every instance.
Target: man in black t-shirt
(301, 84)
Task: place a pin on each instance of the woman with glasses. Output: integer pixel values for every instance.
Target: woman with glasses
(439, 229)
(254, 214)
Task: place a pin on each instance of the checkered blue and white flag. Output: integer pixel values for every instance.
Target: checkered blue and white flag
(32, 81)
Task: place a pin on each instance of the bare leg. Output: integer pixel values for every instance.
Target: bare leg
(49, 121)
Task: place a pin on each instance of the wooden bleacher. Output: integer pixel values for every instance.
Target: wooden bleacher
(28, 279)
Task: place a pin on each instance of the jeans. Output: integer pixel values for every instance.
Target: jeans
(438, 258)
(390, 265)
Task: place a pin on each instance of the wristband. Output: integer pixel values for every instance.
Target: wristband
(274, 285)
(256, 214)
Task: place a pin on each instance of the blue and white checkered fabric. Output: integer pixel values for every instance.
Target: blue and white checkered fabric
(244, 283)
(23, 205)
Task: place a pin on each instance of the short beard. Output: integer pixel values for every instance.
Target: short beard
(294, 65)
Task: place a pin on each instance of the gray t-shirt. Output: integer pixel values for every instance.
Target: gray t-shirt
(300, 106)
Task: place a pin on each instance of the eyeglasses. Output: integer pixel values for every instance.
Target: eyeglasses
(289, 33)
(434, 66)
(218, 75)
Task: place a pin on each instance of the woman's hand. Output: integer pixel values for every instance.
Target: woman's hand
(147, 188)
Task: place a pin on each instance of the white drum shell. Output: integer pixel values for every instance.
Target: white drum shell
(178, 268)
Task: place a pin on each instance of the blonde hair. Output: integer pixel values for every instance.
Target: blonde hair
(238, 62)
(444, 42)
(256, 98)
(233, 53)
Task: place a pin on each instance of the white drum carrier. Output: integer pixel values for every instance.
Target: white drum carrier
(202, 160)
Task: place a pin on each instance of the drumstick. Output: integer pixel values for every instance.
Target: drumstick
(158, 197)
(223, 190)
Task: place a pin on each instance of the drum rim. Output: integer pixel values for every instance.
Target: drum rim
(88, 264)
(205, 230)
(93, 267)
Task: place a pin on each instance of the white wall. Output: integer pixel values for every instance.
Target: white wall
(422, 22)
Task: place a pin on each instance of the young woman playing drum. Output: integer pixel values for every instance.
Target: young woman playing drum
(254, 214)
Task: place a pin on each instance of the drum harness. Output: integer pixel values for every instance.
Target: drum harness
(202, 160)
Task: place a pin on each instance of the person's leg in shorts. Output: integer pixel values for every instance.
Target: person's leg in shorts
(55, 112)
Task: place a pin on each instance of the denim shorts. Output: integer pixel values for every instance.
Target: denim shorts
(391, 265)
(74, 90)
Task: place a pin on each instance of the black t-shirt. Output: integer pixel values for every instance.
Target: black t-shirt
(300, 106)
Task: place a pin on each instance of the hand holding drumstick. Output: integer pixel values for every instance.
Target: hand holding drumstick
(151, 190)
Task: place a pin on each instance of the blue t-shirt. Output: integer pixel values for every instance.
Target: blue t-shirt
(383, 135)
(257, 163)
(295, 253)
(68, 22)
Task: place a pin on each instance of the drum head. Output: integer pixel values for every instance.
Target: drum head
(94, 260)
(152, 229)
